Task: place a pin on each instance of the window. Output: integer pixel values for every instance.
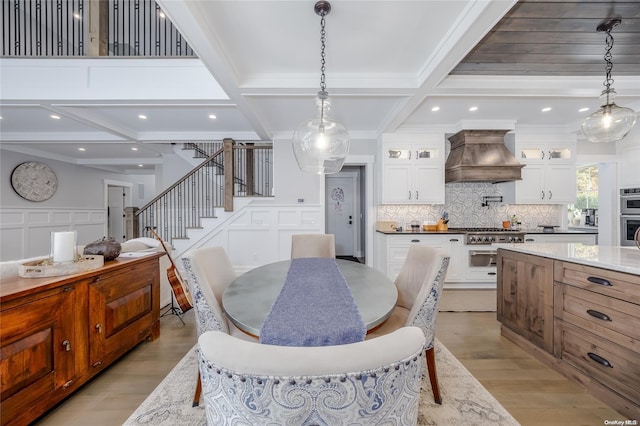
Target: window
(587, 193)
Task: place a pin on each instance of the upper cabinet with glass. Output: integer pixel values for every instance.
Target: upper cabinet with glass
(528, 152)
(412, 169)
(410, 151)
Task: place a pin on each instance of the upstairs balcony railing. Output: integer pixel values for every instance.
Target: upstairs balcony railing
(68, 28)
(230, 169)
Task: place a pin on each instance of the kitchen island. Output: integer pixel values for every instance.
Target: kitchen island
(577, 308)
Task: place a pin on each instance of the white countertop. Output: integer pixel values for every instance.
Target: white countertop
(616, 258)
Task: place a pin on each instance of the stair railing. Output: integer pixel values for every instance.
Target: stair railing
(236, 169)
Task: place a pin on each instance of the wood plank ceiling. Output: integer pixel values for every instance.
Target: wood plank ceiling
(557, 38)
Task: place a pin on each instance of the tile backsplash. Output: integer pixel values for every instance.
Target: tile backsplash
(463, 201)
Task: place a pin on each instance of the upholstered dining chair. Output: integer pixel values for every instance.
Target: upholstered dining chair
(419, 285)
(313, 245)
(373, 382)
(208, 272)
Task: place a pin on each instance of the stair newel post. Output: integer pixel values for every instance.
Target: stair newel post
(228, 173)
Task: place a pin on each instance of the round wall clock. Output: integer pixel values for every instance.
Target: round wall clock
(34, 181)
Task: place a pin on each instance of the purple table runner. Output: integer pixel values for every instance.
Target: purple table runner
(314, 308)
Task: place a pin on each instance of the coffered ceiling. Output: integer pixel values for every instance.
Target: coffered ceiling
(389, 65)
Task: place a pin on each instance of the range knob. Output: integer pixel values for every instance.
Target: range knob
(485, 239)
(518, 239)
(492, 239)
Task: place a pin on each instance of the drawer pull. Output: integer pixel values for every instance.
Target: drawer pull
(415, 241)
(597, 358)
(599, 315)
(492, 273)
(600, 281)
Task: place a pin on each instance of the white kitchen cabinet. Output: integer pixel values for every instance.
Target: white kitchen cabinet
(561, 238)
(549, 172)
(629, 166)
(413, 169)
(394, 249)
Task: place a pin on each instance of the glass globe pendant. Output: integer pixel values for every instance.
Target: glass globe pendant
(611, 122)
(321, 144)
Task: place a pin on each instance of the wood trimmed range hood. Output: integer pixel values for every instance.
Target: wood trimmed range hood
(481, 156)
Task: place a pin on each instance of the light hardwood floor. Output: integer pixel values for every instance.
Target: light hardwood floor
(530, 391)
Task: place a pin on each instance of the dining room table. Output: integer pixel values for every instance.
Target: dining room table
(252, 296)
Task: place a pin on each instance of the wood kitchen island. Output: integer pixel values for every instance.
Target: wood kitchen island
(576, 308)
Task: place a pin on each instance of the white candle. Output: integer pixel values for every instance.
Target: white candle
(63, 246)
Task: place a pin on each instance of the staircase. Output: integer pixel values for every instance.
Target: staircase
(230, 169)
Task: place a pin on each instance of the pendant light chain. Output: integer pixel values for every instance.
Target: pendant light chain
(608, 59)
(323, 39)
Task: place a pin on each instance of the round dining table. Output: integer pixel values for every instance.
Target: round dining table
(248, 299)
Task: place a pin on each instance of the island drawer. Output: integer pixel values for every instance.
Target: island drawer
(610, 318)
(609, 283)
(610, 364)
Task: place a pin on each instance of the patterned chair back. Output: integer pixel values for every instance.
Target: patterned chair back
(375, 382)
(420, 285)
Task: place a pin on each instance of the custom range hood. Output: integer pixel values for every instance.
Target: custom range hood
(481, 156)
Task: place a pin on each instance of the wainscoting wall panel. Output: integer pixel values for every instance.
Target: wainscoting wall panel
(26, 233)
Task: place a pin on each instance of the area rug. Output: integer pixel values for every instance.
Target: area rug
(464, 399)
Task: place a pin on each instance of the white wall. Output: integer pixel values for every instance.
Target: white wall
(289, 183)
(78, 204)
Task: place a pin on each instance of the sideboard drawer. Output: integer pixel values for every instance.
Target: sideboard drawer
(610, 283)
(610, 364)
(612, 319)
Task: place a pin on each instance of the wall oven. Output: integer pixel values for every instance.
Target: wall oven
(630, 201)
(629, 215)
(629, 224)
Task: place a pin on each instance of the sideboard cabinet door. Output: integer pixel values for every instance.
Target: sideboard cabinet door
(121, 311)
(39, 349)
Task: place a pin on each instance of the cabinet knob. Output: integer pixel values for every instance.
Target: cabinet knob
(66, 385)
(99, 328)
(67, 345)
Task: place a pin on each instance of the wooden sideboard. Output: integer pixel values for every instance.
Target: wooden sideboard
(57, 333)
(581, 320)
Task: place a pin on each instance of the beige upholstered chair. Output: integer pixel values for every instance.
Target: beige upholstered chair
(208, 272)
(313, 245)
(419, 287)
(375, 382)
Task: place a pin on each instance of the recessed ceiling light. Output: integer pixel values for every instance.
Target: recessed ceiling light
(55, 117)
(140, 165)
(546, 109)
(583, 109)
(473, 108)
(77, 15)
(212, 116)
(81, 149)
(142, 117)
(435, 108)
(0, 117)
(135, 148)
(162, 15)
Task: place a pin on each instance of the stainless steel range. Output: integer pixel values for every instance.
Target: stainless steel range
(486, 236)
(481, 261)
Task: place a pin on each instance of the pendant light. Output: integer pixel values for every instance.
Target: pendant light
(611, 122)
(321, 144)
